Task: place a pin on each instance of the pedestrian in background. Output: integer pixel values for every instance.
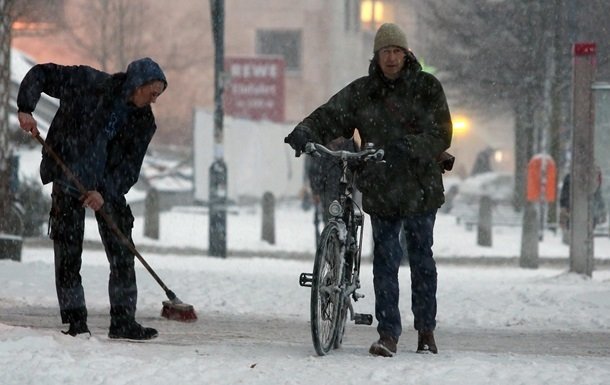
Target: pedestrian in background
(101, 131)
(402, 109)
(598, 208)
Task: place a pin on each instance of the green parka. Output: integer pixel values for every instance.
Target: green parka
(409, 118)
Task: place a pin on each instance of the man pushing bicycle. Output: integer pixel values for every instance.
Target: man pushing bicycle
(404, 111)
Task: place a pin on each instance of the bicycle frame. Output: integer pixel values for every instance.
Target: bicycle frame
(352, 221)
(336, 276)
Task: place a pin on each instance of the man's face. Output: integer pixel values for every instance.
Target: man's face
(391, 61)
(147, 94)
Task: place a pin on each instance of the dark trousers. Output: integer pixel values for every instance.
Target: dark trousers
(387, 254)
(67, 224)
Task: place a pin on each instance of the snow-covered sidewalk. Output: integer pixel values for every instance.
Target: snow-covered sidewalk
(496, 324)
(253, 327)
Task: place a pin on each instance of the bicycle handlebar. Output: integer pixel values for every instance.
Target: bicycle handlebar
(368, 153)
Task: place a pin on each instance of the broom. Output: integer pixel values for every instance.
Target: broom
(174, 309)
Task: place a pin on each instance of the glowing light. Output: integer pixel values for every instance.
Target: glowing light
(31, 26)
(461, 125)
(371, 11)
(498, 156)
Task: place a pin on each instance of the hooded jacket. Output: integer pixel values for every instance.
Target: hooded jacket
(409, 118)
(97, 132)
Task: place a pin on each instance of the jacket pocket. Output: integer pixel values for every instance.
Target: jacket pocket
(372, 178)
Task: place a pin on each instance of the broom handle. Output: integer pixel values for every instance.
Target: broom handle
(105, 216)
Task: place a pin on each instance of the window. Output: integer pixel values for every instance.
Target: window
(373, 13)
(285, 43)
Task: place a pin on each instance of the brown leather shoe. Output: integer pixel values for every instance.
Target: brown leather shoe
(385, 346)
(426, 343)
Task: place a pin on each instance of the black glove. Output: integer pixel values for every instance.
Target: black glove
(297, 139)
(446, 160)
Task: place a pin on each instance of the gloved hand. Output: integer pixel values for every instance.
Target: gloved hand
(446, 161)
(297, 139)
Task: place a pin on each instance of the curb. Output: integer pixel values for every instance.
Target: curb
(308, 256)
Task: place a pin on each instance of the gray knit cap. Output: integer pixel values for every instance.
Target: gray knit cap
(390, 34)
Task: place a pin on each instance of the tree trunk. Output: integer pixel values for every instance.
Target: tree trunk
(520, 158)
(5, 82)
(555, 140)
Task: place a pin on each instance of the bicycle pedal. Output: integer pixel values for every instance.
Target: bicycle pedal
(363, 319)
(305, 279)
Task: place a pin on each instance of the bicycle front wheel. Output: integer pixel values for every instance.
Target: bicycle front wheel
(325, 288)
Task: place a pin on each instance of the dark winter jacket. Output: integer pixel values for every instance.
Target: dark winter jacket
(408, 118)
(100, 136)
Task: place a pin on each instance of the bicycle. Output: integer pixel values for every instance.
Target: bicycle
(336, 272)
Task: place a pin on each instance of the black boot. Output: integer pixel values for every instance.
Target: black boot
(77, 318)
(131, 331)
(123, 325)
(426, 343)
(76, 328)
(385, 346)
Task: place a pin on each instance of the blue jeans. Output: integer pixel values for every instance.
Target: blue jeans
(387, 254)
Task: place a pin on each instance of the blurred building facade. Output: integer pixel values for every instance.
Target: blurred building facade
(325, 45)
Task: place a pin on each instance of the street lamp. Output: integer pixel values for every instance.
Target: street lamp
(461, 125)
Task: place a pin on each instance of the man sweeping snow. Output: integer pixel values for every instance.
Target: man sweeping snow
(101, 131)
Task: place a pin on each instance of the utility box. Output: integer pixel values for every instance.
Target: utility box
(541, 179)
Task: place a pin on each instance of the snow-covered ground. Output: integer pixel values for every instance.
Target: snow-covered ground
(496, 324)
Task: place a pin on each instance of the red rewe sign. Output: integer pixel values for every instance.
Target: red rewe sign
(255, 88)
(584, 49)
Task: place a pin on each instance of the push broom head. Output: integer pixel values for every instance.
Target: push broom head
(178, 311)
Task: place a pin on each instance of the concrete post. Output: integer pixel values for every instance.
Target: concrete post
(484, 236)
(529, 237)
(151, 214)
(268, 228)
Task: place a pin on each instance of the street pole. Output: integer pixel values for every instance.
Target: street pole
(5, 83)
(582, 167)
(218, 169)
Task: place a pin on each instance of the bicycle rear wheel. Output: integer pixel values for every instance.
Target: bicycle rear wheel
(325, 291)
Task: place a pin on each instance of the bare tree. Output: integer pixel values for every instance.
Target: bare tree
(109, 31)
(515, 54)
(112, 33)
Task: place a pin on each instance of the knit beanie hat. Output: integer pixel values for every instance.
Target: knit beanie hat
(389, 34)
